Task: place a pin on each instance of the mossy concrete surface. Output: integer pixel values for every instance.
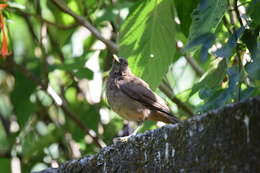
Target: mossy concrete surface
(223, 140)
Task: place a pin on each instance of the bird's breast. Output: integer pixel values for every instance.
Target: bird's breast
(123, 105)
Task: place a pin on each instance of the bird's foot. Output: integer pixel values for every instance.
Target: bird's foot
(121, 139)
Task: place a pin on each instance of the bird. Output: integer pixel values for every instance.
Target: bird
(132, 98)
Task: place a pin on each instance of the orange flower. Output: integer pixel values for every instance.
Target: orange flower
(4, 50)
(1, 21)
(2, 6)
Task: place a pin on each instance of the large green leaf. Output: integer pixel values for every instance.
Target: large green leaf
(205, 18)
(212, 79)
(250, 39)
(227, 50)
(184, 10)
(5, 164)
(253, 68)
(33, 144)
(147, 39)
(253, 11)
(215, 98)
(20, 98)
(88, 114)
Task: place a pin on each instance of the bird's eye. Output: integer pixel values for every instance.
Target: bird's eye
(125, 62)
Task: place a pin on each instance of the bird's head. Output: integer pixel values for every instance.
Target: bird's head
(120, 66)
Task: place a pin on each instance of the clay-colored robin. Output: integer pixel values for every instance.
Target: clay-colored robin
(132, 98)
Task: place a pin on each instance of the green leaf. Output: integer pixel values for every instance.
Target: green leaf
(75, 66)
(147, 39)
(250, 39)
(206, 17)
(83, 73)
(218, 98)
(147, 125)
(212, 79)
(184, 10)
(33, 144)
(5, 165)
(87, 113)
(111, 129)
(253, 11)
(248, 92)
(215, 98)
(227, 49)
(20, 98)
(4, 143)
(253, 68)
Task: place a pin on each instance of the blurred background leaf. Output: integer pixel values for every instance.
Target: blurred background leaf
(143, 43)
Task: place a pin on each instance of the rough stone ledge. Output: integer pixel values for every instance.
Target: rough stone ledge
(222, 140)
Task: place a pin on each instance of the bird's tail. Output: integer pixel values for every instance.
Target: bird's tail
(160, 116)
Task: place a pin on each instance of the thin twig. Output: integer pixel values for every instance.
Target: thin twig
(6, 154)
(5, 123)
(237, 13)
(64, 106)
(81, 20)
(196, 67)
(63, 27)
(225, 21)
(168, 92)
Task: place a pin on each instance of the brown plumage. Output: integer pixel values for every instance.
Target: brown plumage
(132, 98)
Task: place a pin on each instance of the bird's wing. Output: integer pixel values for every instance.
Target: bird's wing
(139, 90)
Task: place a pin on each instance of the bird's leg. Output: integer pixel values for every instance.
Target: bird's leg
(139, 125)
(125, 138)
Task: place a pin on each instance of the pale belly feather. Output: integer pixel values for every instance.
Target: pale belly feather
(134, 111)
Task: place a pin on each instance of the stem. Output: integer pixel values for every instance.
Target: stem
(41, 19)
(196, 67)
(82, 21)
(64, 106)
(168, 92)
(237, 12)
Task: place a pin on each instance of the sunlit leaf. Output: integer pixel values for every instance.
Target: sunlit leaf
(147, 39)
(205, 18)
(84, 73)
(228, 48)
(212, 79)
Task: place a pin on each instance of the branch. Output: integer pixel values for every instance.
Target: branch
(168, 92)
(237, 13)
(51, 92)
(82, 21)
(225, 21)
(6, 154)
(196, 67)
(63, 27)
(5, 123)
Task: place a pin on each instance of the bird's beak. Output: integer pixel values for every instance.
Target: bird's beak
(116, 58)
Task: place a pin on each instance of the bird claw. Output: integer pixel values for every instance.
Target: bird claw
(121, 139)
